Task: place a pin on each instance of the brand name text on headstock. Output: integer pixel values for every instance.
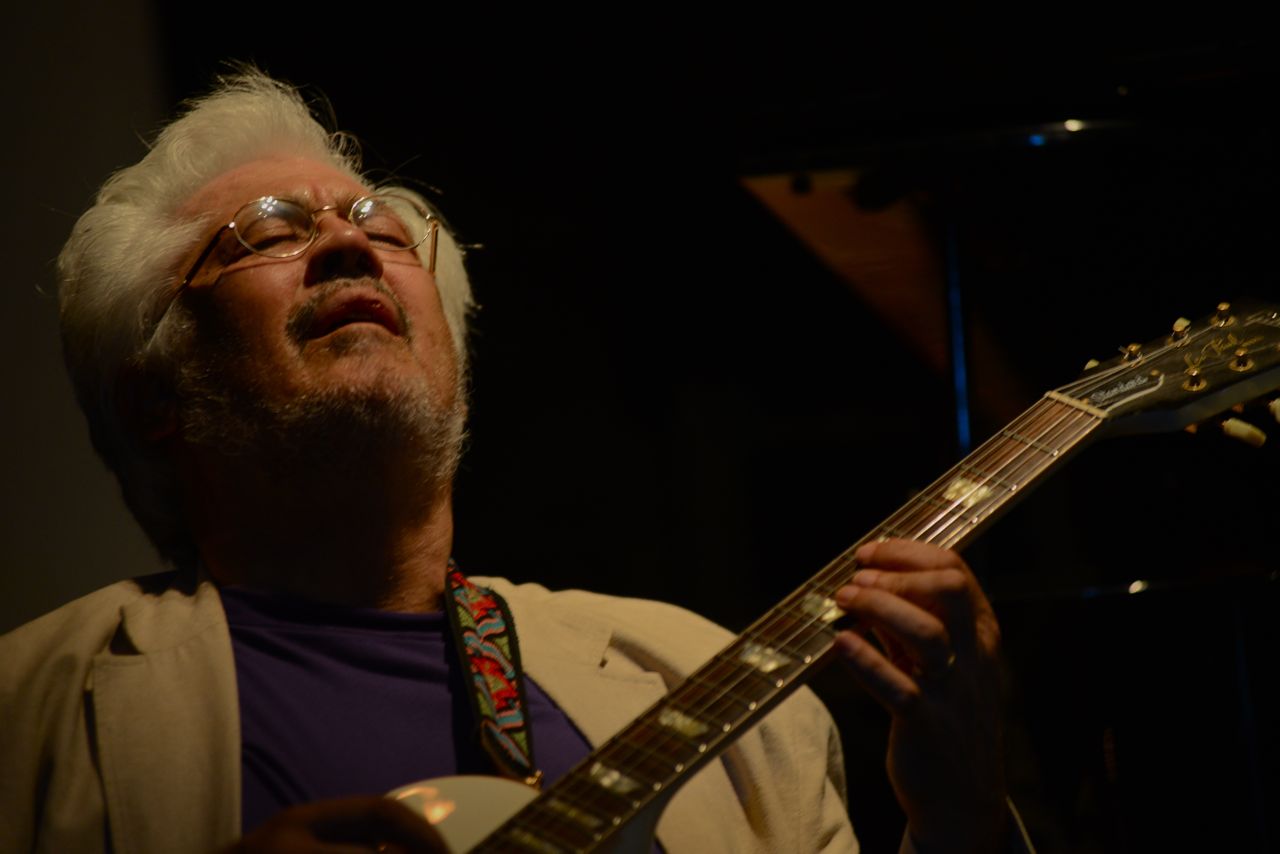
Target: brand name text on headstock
(1106, 395)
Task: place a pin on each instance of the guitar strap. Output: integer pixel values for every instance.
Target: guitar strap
(485, 637)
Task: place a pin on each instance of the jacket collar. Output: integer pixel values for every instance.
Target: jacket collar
(166, 720)
(594, 672)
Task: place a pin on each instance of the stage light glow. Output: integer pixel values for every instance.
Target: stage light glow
(1073, 125)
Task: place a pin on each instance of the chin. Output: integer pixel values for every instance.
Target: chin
(358, 414)
(360, 338)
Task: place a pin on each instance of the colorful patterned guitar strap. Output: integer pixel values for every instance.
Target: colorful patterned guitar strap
(485, 637)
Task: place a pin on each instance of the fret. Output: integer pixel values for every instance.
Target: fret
(951, 511)
(723, 673)
(937, 502)
(527, 841)
(799, 637)
(967, 493)
(988, 477)
(794, 638)
(805, 618)
(666, 733)
(763, 658)
(579, 787)
(798, 620)
(1029, 442)
(676, 721)
(725, 700)
(769, 683)
(822, 609)
(1065, 434)
(649, 758)
(613, 780)
(956, 515)
(545, 830)
(585, 819)
(705, 712)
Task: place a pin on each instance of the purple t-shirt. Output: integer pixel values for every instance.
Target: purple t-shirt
(339, 701)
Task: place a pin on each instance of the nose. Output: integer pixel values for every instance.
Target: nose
(340, 251)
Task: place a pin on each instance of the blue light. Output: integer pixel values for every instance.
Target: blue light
(955, 317)
(1036, 139)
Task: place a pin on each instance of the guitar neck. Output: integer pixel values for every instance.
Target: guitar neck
(702, 716)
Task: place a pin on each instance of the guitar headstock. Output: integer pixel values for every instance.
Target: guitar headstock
(1199, 370)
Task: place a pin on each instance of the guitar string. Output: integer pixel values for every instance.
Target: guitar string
(676, 746)
(666, 758)
(1027, 453)
(721, 692)
(949, 530)
(844, 563)
(1017, 461)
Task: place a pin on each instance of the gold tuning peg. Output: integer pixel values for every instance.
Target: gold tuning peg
(1132, 353)
(1242, 361)
(1244, 431)
(1274, 408)
(1091, 364)
(1223, 317)
(1180, 327)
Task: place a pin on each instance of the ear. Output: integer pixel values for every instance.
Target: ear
(146, 405)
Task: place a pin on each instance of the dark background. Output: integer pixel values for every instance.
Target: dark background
(675, 397)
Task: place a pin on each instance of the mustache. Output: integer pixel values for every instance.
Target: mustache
(302, 319)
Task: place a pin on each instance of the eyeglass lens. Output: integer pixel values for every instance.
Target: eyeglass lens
(279, 228)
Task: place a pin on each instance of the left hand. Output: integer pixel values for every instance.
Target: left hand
(937, 672)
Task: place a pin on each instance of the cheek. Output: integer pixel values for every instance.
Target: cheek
(421, 303)
(433, 331)
(241, 325)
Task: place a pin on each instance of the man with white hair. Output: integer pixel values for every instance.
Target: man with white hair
(271, 355)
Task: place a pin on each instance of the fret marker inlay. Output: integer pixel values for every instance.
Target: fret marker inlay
(821, 608)
(967, 492)
(529, 842)
(569, 811)
(766, 659)
(681, 723)
(613, 779)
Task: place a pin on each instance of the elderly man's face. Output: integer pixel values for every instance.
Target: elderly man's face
(341, 325)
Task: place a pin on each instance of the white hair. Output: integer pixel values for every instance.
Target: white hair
(117, 271)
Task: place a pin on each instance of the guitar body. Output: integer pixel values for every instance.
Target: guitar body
(465, 810)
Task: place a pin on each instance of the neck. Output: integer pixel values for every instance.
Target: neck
(381, 539)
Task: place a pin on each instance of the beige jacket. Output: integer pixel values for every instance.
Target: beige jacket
(120, 730)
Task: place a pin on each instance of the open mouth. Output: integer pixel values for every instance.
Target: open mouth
(355, 309)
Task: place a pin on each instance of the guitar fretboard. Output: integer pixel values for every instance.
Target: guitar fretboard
(701, 716)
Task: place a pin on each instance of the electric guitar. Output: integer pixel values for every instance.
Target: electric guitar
(611, 800)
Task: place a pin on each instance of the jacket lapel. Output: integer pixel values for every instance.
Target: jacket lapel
(166, 719)
(579, 660)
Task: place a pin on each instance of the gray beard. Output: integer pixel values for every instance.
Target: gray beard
(338, 436)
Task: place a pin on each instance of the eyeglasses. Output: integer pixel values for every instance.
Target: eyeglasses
(282, 228)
